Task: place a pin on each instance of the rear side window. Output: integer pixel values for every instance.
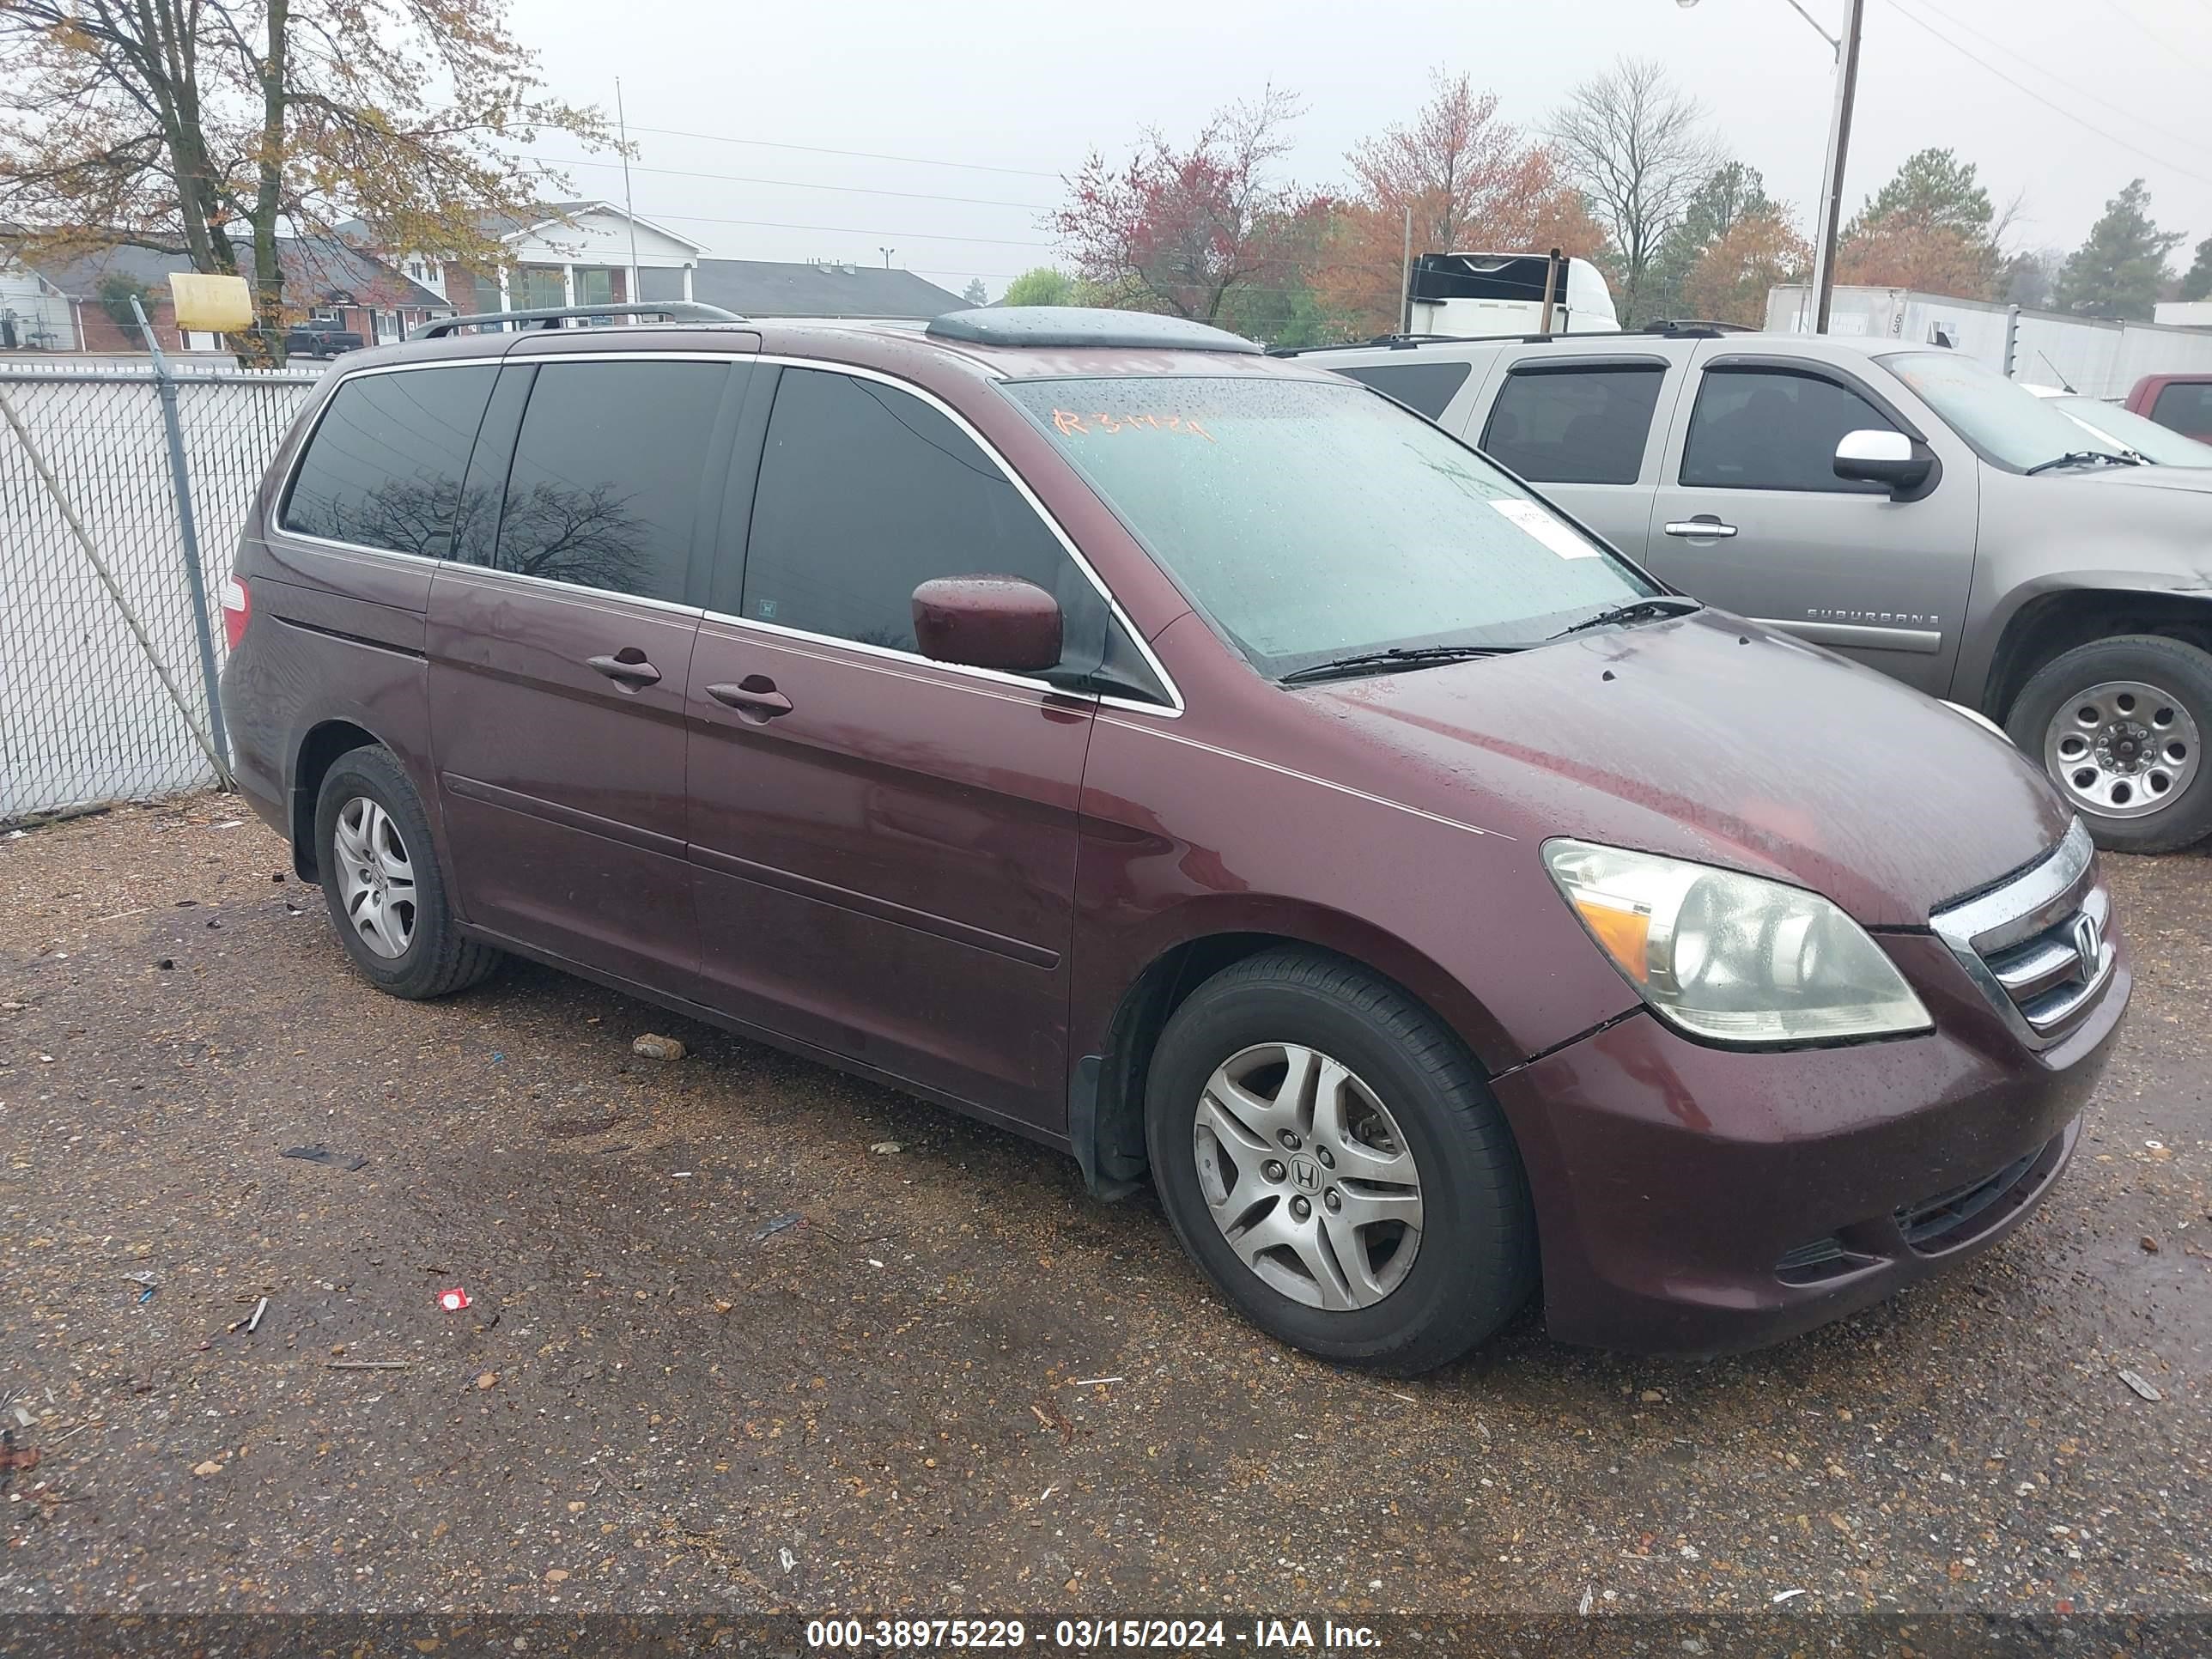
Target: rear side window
(608, 475)
(1428, 388)
(384, 467)
(1574, 426)
(2184, 408)
(1769, 430)
(867, 492)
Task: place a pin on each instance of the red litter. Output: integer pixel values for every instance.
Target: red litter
(454, 1300)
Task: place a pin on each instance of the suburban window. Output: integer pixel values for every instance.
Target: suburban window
(1771, 429)
(1428, 388)
(2183, 407)
(1574, 426)
(605, 485)
(384, 467)
(833, 559)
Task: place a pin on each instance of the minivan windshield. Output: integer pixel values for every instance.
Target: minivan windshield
(1311, 521)
(2005, 424)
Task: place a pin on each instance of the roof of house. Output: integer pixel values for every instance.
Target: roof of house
(504, 226)
(766, 287)
(316, 270)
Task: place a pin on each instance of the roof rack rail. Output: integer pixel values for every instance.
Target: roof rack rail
(1692, 328)
(683, 311)
(1404, 342)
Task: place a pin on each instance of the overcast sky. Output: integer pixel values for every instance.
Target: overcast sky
(1031, 86)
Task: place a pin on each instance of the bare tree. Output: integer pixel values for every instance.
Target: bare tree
(1636, 146)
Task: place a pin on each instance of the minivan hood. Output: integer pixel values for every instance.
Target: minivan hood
(1712, 738)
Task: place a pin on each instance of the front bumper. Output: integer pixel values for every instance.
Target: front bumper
(1697, 1200)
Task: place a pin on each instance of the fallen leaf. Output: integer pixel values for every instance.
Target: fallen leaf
(488, 1380)
(209, 1467)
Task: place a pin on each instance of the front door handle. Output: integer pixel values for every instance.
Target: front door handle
(1704, 524)
(627, 667)
(755, 697)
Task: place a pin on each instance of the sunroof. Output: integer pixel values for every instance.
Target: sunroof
(1081, 325)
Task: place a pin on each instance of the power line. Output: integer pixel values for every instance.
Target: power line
(2152, 35)
(2020, 86)
(852, 230)
(801, 183)
(856, 154)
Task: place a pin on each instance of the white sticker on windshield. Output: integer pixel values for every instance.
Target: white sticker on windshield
(1545, 528)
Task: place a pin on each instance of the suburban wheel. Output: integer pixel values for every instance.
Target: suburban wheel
(1329, 1157)
(2120, 725)
(380, 880)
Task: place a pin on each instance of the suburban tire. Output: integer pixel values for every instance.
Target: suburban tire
(2121, 725)
(1329, 1157)
(380, 880)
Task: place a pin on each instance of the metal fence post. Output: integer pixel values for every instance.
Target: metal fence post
(180, 480)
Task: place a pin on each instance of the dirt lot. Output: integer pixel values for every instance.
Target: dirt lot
(659, 1399)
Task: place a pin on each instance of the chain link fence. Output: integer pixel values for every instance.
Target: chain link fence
(104, 695)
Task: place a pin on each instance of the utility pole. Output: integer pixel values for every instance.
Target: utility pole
(1831, 185)
(1405, 279)
(886, 252)
(629, 206)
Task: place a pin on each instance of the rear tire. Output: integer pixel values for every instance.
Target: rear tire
(2120, 725)
(1331, 1160)
(381, 882)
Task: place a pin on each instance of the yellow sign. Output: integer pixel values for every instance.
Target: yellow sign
(211, 305)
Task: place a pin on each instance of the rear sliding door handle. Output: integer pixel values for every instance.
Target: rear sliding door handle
(755, 697)
(627, 667)
(1700, 528)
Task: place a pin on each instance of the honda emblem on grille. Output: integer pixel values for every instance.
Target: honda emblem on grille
(2089, 945)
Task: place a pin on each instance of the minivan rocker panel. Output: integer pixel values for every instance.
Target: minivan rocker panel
(1279, 919)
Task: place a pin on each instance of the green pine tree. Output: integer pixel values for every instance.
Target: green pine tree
(2196, 281)
(1730, 193)
(2121, 271)
(1933, 190)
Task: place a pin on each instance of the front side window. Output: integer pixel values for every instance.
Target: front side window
(1574, 426)
(867, 492)
(2006, 425)
(1757, 429)
(1429, 387)
(609, 469)
(384, 467)
(1309, 520)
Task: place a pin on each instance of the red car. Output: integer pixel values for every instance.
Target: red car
(2181, 402)
(1194, 761)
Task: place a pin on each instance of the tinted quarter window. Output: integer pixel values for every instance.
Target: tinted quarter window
(865, 493)
(1578, 426)
(1428, 388)
(384, 467)
(609, 468)
(1769, 430)
(2184, 408)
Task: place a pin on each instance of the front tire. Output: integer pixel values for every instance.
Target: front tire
(382, 884)
(2120, 725)
(1330, 1159)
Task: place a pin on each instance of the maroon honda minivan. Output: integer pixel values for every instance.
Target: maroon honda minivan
(1192, 760)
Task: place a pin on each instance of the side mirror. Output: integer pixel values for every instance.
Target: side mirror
(1869, 456)
(1004, 622)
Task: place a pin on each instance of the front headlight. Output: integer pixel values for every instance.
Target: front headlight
(1733, 958)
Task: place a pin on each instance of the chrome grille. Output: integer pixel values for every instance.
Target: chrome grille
(2037, 944)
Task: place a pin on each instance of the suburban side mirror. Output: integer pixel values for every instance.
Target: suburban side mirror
(1871, 456)
(1004, 622)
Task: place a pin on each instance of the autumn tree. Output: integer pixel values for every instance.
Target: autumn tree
(1931, 227)
(1636, 145)
(1183, 229)
(1731, 193)
(1733, 275)
(1472, 183)
(213, 128)
(2120, 271)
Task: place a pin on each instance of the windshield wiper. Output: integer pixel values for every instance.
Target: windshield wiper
(2084, 457)
(1650, 610)
(1396, 658)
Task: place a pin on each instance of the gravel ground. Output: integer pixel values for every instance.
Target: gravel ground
(657, 1399)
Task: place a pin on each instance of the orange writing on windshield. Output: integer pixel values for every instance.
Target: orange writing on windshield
(1068, 422)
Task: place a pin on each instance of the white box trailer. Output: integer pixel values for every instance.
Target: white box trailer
(1479, 295)
(2095, 358)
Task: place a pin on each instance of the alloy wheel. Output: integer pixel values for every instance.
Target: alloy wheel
(2123, 748)
(1308, 1177)
(376, 878)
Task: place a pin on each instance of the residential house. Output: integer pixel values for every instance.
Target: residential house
(765, 287)
(325, 279)
(560, 253)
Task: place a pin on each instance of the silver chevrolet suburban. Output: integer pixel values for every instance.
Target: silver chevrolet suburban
(1901, 504)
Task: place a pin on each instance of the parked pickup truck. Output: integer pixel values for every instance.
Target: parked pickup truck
(2183, 401)
(1901, 504)
(319, 339)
